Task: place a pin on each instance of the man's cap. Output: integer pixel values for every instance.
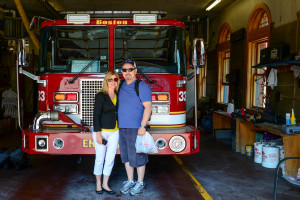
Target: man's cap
(129, 61)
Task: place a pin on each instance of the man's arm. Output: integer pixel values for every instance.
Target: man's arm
(146, 116)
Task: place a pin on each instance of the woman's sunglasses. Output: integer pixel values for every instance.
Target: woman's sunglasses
(129, 69)
(112, 79)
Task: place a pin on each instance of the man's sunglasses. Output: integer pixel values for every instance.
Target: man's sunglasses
(129, 70)
(112, 79)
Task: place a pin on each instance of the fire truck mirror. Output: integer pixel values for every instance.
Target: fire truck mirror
(199, 55)
(202, 53)
(23, 52)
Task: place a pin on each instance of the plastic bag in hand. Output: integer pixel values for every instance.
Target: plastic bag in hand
(145, 144)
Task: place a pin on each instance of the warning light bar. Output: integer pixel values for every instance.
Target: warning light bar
(78, 18)
(114, 14)
(144, 18)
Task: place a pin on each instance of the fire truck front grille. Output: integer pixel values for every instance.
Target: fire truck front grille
(88, 89)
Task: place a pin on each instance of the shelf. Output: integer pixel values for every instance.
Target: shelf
(290, 62)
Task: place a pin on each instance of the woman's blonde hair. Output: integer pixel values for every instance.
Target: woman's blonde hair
(108, 76)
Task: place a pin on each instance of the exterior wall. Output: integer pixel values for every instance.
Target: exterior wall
(284, 19)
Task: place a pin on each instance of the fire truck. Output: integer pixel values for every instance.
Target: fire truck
(75, 54)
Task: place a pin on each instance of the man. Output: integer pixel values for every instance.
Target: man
(133, 112)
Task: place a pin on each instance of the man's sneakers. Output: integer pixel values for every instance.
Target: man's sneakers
(127, 185)
(137, 189)
(134, 188)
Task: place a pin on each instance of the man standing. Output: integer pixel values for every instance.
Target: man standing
(134, 111)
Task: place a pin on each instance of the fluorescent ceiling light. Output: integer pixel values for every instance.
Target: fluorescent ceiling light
(213, 5)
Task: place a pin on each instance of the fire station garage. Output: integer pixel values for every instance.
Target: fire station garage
(196, 99)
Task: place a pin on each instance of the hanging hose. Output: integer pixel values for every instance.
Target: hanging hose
(26, 23)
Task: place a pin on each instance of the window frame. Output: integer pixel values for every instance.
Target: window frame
(223, 48)
(256, 34)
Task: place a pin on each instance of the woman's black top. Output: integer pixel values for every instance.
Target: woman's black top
(105, 112)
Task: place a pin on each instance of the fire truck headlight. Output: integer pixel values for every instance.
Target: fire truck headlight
(58, 143)
(41, 143)
(160, 109)
(66, 108)
(177, 143)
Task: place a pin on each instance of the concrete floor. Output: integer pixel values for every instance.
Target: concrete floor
(225, 175)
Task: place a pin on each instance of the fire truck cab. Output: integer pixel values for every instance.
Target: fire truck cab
(75, 54)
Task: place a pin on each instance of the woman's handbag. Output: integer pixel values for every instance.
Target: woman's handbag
(145, 144)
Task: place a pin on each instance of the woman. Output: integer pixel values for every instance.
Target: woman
(106, 131)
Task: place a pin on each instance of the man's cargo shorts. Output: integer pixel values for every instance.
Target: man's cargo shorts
(128, 153)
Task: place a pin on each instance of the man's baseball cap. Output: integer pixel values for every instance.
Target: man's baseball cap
(129, 61)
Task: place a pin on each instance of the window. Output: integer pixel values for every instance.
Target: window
(223, 64)
(258, 37)
(225, 71)
(68, 49)
(155, 49)
(264, 21)
(259, 78)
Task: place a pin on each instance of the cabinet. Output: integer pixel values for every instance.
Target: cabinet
(245, 135)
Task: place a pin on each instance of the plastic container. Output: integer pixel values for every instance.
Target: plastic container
(270, 156)
(249, 150)
(230, 108)
(288, 119)
(293, 119)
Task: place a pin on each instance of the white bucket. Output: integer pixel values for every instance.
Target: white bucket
(230, 108)
(270, 156)
(258, 152)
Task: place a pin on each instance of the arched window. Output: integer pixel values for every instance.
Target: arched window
(258, 38)
(223, 63)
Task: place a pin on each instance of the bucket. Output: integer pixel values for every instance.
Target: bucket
(270, 156)
(249, 150)
(230, 108)
(258, 152)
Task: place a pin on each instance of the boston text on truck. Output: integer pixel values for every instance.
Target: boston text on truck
(76, 52)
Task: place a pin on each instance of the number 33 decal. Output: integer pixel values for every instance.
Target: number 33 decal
(41, 95)
(182, 96)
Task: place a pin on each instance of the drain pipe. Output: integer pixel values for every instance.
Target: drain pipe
(26, 23)
(44, 116)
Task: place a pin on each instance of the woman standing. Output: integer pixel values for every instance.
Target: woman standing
(106, 131)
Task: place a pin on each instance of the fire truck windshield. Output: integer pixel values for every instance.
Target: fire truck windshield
(156, 49)
(66, 49)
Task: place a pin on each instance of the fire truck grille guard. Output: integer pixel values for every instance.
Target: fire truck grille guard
(88, 89)
(170, 130)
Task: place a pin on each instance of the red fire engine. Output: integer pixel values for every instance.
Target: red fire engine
(75, 54)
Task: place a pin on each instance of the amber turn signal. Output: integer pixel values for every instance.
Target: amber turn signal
(59, 97)
(163, 97)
